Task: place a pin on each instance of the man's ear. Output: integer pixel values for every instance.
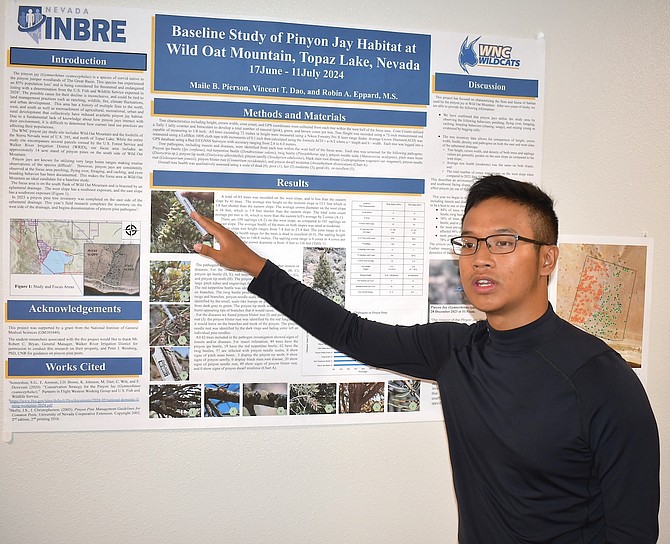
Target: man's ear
(548, 259)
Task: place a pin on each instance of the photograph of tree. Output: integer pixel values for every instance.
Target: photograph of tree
(356, 398)
(174, 400)
(169, 324)
(169, 281)
(313, 398)
(324, 270)
(222, 399)
(172, 230)
(169, 364)
(404, 396)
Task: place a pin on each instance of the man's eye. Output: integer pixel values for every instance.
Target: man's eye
(467, 244)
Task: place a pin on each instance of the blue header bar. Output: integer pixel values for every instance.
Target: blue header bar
(271, 59)
(91, 60)
(289, 113)
(170, 179)
(491, 86)
(64, 310)
(73, 366)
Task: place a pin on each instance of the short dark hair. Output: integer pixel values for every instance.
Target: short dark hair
(539, 204)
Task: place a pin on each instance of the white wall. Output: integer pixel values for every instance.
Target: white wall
(606, 160)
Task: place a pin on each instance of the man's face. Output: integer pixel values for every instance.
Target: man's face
(510, 288)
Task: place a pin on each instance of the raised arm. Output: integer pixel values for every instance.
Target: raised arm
(409, 350)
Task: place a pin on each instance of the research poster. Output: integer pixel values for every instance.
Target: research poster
(343, 154)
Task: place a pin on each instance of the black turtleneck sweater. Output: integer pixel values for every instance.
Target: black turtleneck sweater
(551, 436)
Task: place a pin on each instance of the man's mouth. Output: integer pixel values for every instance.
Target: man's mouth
(484, 284)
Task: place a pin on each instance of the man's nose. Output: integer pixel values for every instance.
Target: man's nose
(482, 256)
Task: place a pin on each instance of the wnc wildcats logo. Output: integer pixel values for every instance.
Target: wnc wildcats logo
(485, 55)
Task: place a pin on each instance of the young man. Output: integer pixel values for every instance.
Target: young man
(551, 435)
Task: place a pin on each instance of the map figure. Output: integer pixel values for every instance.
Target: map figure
(600, 289)
(106, 252)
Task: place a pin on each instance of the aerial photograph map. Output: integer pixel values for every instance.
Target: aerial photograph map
(601, 289)
(95, 254)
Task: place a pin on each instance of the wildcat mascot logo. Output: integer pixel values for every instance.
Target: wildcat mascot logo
(468, 55)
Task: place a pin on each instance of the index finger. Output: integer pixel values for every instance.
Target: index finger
(206, 222)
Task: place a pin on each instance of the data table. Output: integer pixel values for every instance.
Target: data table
(387, 245)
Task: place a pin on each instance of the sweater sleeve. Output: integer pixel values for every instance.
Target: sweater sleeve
(623, 437)
(417, 351)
